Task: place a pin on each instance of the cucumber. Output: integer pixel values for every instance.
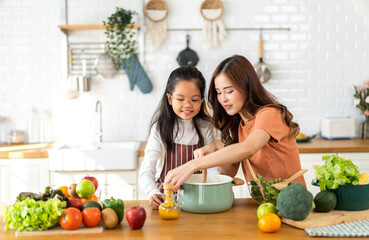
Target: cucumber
(92, 204)
(325, 201)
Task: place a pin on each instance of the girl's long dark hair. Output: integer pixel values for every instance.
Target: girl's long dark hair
(242, 74)
(166, 118)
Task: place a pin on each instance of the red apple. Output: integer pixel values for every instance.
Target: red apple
(75, 202)
(92, 179)
(136, 217)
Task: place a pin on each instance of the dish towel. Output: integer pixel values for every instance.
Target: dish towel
(350, 229)
(136, 74)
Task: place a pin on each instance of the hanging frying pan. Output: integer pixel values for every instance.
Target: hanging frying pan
(262, 69)
(187, 57)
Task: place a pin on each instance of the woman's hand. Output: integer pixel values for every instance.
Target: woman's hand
(156, 200)
(180, 174)
(204, 150)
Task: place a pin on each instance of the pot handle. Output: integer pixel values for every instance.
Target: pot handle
(237, 181)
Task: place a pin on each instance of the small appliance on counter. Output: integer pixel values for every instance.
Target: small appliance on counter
(338, 128)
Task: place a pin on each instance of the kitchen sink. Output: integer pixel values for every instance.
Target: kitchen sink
(120, 155)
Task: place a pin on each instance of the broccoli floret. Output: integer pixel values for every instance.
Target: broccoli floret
(294, 202)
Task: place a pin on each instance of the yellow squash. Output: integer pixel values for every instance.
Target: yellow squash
(364, 179)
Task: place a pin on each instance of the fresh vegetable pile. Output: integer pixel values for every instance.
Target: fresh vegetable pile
(70, 207)
(336, 171)
(29, 214)
(270, 192)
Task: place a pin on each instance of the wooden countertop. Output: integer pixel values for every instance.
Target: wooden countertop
(316, 145)
(320, 145)
(35, 150)
(239, 222)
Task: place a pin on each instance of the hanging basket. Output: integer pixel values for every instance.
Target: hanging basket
(211, 10)
(156, 10)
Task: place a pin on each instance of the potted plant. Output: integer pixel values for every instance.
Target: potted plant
(121, 48)
(120, 42)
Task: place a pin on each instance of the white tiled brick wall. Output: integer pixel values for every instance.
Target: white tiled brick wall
(314, 65)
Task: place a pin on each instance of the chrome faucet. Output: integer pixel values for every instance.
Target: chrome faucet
(99, 110)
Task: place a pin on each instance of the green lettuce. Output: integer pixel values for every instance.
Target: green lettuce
(335, 172)
(32, 215)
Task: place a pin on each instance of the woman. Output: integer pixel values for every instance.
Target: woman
(253, 126)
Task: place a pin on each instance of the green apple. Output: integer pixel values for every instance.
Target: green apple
(266, 208)
(85, 188)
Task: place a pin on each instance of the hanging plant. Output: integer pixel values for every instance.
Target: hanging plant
(120, 41)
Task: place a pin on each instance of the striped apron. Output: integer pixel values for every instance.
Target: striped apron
(180, 155)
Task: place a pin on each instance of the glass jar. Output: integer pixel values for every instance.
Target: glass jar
(16, 137)
(171, 207)
(366, 128)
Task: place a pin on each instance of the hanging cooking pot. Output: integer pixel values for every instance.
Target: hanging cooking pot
(262, 69)
(216, 195)
(187, 57)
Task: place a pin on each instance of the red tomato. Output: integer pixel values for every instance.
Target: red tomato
(71, 218)
(91, 216)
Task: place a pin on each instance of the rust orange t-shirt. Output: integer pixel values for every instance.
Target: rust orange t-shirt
(279, 158)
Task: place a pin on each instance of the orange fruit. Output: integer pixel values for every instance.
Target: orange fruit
(269, 222)
(92, 198)
(64, 189)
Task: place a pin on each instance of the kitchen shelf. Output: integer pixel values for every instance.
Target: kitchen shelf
(68, 27)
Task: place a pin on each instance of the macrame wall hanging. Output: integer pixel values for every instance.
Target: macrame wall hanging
(213, 27)
(156, 12)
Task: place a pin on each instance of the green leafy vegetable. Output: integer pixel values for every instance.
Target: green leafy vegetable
(294, 202)
(49, 193)
(335, 172)
(270, 192)
(31, 215)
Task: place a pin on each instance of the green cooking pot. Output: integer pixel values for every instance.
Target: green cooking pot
(216, 195)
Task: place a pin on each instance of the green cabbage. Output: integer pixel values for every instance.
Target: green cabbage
(335, 172)
(32, 215)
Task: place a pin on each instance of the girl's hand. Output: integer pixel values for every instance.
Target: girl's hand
(205, 150)
(156, 200)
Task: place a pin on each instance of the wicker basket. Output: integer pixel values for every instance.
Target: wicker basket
(211, 5)
(156, 5)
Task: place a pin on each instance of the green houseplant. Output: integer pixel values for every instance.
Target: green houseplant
(120, 41)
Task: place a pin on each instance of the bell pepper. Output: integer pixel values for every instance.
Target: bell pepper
(117, 205)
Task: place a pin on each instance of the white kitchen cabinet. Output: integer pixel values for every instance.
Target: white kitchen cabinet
(308, 160)
(5, 180)
(241, 191)
(117, 184)
(141, 194)
(22, 175)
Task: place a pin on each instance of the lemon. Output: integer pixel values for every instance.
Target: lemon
(300, 135)
(364, 179)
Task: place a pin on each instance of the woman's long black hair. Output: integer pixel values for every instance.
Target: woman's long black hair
(244, 78)
(166, 118)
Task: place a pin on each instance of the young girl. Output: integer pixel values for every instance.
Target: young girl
(253, 126)
(180, 125)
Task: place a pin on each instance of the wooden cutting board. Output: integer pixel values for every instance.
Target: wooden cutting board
(59, 231)
(330, 218)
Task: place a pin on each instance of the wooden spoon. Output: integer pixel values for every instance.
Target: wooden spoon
(285, 183)
(204, 174)
(255, 179)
